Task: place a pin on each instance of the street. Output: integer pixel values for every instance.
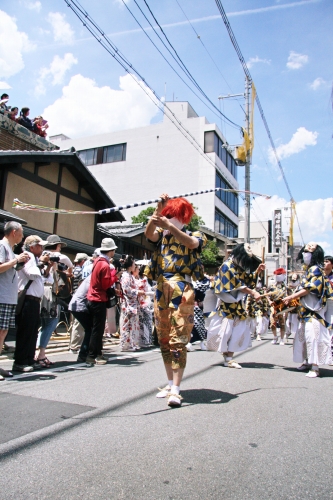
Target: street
(263, 432)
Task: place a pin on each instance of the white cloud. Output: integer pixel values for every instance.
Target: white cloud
(4, 86)
(85, 109)
(314, 217)
(318, 82)
(296, 61)
(34, 6)
(57, 69)
(299, 141)
(13, 44)
(62, 31)
(254, 60)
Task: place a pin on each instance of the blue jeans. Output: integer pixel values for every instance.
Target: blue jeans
(48, 327)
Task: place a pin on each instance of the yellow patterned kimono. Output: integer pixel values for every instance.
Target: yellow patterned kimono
(229, 278)
(173, 266)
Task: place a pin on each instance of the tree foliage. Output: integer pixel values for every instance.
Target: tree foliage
(209, 254)
(143, 216)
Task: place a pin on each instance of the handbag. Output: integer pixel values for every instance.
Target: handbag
(112, 298)
(21, 298)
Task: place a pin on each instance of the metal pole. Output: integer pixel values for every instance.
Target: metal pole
(248, 163)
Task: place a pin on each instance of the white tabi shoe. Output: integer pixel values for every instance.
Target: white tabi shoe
(203, 346)
(313, 374)
(258, 337)
(232, 364)
(189, 347)
(275, 341)
(174, 400)
(163, 393)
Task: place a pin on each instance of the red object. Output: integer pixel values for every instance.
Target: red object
(179, 208)
(102, 277)
(279, 271)
(39, 131)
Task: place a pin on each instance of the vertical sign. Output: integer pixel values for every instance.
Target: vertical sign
(277, 229)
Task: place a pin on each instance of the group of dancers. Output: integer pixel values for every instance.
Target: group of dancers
(242, 304)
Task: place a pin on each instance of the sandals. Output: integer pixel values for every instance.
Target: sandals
(44, 363)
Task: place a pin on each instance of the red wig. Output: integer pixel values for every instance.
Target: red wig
(179, 208)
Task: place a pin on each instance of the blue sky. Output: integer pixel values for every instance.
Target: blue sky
(49, 62)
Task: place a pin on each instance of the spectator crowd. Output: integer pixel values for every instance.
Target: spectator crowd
(38, 125)
(40, 282)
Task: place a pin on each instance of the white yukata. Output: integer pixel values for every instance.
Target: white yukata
(313, 339)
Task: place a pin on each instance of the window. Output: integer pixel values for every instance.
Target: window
(213, 144)
(107, 154)
(229, 199)
(114, 153)
(88, 156)
(224, 226)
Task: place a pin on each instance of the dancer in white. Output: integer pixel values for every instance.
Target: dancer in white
(228, 330)
(313, 337)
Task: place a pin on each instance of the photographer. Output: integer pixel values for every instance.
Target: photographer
(102, 278)
(30, 277)
(57, 285)
(13, 235)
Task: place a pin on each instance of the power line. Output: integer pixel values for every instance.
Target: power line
(111, 48)
(261, 111)
(178, 59)
(168, 62)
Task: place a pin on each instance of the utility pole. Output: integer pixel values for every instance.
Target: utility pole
(248, 163)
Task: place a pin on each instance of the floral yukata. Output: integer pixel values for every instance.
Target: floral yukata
(313, 339)
(172, 266)
(129, 319)
(145, 313)
(228, 330)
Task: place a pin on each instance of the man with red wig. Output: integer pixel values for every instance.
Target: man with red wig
(176, 261)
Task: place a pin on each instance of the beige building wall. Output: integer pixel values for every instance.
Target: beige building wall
(76, 227)
(49, 172)
(28, 192)
(69, 182)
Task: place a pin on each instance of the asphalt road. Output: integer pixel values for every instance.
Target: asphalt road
(263, 432)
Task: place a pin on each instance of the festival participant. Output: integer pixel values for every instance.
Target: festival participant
(292, 319)
(277, 292)
(314, 291)
(328, 268)
(251, 311)
(263, 308)
(176, 260)
(228, 331)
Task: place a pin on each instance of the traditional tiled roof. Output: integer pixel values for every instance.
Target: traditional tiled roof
(123, 230)
(7, 216)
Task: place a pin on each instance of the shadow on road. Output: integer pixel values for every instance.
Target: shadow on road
(324, 372)
(207, 396)
(267, 366)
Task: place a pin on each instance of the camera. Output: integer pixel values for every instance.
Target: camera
(54, 259)
(61, 266)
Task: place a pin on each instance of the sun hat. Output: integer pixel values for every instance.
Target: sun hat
(107, 245)
(54, 239)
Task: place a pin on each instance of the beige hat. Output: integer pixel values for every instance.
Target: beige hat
(81, 256)
(34, 240)
(107, 245)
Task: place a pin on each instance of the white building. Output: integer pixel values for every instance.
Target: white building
(141, 163)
